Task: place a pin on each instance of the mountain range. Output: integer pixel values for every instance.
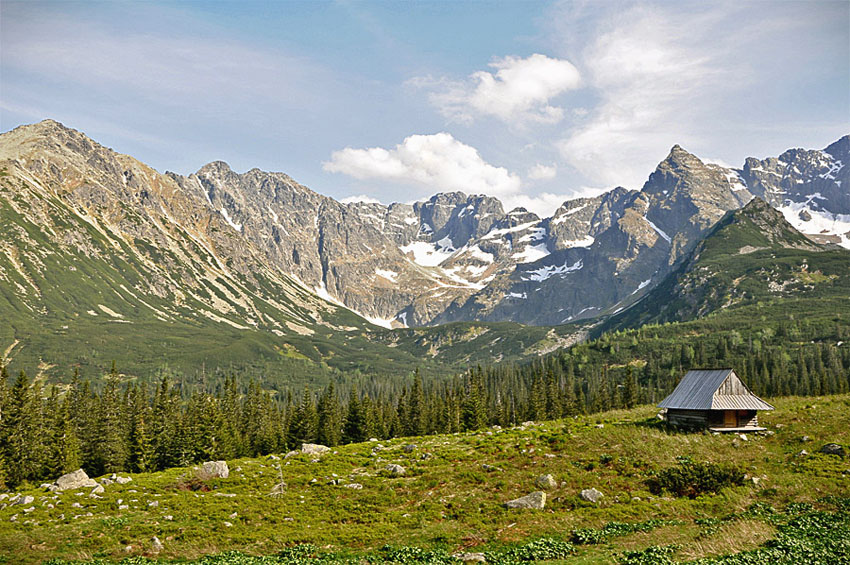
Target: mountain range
(95, 239)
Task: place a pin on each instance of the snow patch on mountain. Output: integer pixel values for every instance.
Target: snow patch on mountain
(549, 271)
(586, 241)
(809, 219)
(658, 230)
(391, 276)
(229, 220)
(427, 254)
(532, 253)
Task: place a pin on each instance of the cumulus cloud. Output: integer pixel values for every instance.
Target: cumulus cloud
(518, 92)
(651, 77)
(360, 198)
(437, 161)
(542, 172)
(543, 204)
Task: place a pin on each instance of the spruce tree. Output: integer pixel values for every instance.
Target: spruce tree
(304, 423)
(330, 417)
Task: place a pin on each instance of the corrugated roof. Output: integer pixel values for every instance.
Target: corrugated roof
(698, 391)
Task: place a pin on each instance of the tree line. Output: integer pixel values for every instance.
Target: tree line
(127, 425)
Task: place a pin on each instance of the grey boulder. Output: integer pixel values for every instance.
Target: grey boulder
(534, 501)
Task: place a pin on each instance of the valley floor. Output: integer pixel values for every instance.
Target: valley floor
(452, 493)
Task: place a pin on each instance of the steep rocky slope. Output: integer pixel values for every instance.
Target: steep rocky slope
(453, 257)
(753, 255)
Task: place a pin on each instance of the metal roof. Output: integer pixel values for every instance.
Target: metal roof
(698, 391)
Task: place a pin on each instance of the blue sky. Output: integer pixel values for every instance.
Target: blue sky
(534, 102)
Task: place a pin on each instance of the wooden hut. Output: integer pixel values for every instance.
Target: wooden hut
(716, 399)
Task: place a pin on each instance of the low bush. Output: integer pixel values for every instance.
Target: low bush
(691, 479)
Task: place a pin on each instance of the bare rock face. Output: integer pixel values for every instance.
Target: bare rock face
(257, 250)
(77, 479)
(534, 501)
(216, 469)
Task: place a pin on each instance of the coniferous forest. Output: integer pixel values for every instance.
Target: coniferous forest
(123, 424)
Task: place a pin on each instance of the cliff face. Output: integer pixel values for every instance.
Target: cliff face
(221, 242)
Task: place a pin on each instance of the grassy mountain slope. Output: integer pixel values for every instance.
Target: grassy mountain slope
(751, 257)
(85, 284)
(447, 500)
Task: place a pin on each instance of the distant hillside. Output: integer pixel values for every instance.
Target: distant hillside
(753, 255)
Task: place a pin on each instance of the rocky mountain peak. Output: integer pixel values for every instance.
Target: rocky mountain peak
(839, 149)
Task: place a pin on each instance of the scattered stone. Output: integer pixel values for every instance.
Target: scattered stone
(228, 525)
(274, 458)
(106, 482)
(833, 449)
(805, 439)
(591, 495)
(75, 480)
(233, 516)
(743, 437)
(216, 469)
(534, 501)
(470, 557)
(314, 449)
(153, 504)
(490, 468)
(97, 490)
(45, 486)
(225, 494)
(14, 518)
(355, 486)
(802, 453)
(23, 500)
(76, 505)
(127, 549)
(291, 454)
(599, 426)
(124, 507)
(156, 545)
(125, 480)
(409, 448)
(546, 482)
(168, 517)
(28, 510)
(395, 470)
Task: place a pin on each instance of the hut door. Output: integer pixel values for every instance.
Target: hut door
(730, 419)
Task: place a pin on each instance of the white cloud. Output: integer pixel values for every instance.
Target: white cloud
(438, 161)
(360, 198)
(654, 78)
(542, 172)
(543, 204)
(518, 92)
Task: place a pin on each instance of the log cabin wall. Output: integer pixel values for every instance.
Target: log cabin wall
(687, 418)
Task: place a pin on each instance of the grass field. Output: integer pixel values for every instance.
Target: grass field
(447, 502)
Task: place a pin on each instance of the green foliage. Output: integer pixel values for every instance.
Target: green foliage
(653, 555)
(691, 479)
(586, 536)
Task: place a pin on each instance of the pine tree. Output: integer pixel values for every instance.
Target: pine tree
(20, 443)
(304, 424)
(631, 392)
(330, 417)
(414, 414)
(113, 452)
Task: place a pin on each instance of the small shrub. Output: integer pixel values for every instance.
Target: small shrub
(691, 479)
(653, 555)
